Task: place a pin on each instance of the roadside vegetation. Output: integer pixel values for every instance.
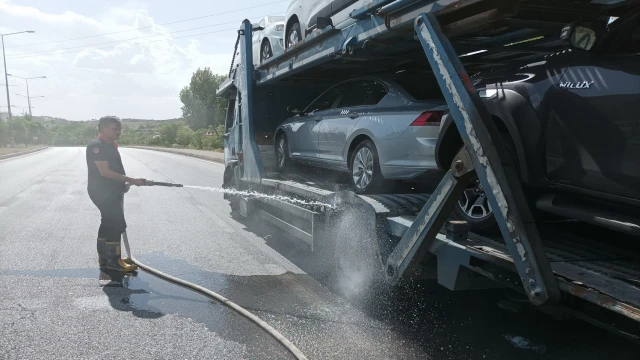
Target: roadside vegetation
(200, 126)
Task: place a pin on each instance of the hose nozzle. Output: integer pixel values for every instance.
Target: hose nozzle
(158, 183)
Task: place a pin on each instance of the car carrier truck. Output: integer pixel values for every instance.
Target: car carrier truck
(381, 240)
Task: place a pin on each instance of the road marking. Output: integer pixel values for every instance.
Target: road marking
(22, 155)
(207, 161)
(185, 155)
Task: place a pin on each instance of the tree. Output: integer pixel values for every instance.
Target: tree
(184, 136)
(168, 133)
(201, 107)
(4, 134)
(196, 139)
(18, 130)
(193, 112)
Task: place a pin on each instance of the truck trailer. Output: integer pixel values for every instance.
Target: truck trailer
(377, 241)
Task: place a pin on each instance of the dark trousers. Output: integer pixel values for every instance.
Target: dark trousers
(112, 223)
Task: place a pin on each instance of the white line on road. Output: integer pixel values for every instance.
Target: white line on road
(23, 155)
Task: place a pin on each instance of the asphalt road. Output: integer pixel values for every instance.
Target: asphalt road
(54, 302)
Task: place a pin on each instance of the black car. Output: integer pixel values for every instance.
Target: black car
(571, 124)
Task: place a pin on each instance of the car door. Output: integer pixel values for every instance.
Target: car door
(595, 127)
(302, 132)
(356, 97)
(311, 9)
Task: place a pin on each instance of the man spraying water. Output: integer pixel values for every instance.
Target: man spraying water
(106, 186)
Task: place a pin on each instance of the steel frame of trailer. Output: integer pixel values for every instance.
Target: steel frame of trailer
(467, 109)
(481, 155)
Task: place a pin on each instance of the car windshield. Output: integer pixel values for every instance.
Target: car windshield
(275, 19)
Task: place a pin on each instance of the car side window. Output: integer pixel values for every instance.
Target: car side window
(362, 93)
(262, 23)
(326, 100)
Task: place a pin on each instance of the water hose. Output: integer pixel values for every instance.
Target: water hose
(213, 295)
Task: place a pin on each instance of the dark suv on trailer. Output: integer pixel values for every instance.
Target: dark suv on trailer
(571, 123)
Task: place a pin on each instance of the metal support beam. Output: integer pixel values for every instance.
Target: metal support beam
(418, 239)
(251, 161)
(482, 141)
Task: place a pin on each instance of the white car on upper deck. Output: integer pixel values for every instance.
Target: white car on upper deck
(268, 42)
(302, 16)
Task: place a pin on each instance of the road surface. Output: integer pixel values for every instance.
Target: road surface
(56, 304)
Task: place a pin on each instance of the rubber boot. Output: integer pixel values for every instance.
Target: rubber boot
(114, 262)
(102, 253)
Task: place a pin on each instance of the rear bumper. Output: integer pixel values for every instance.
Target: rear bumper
(409, 156)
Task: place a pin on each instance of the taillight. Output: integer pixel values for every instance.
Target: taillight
(428, 118)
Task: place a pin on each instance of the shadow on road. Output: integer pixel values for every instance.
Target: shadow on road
(466, 324)
(122, 298)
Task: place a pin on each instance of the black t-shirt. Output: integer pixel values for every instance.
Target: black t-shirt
(99, 187)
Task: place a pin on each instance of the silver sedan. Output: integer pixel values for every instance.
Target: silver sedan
(372, 128)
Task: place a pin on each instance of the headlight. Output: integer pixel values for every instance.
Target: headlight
(279, 27)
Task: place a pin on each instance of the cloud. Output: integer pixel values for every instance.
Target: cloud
(132, 78)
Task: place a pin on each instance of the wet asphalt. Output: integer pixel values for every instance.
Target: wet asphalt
(55, 303)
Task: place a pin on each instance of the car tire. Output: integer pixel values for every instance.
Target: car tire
(294, 35)
(282, 153)
(475, 193)
(364, 169)
(266, 52)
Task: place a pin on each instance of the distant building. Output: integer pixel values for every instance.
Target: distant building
(208, 132)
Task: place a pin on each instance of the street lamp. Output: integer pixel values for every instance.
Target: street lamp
(26, 80)
(4, 58)
(20, 107)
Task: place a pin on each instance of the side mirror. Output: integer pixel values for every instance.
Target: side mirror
(579, 36)
(294, 110)
(256, 27)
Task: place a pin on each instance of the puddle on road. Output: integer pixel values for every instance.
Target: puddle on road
(294, 304)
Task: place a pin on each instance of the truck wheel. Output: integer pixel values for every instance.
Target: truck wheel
(366, 177)
(234, 200)
(294, 35)
(265, 51)
(282, 153)
(474, 206)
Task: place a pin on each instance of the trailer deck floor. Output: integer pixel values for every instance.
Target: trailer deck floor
(582, 254)
(582, 261)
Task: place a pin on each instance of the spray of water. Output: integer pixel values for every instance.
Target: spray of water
(255, 194)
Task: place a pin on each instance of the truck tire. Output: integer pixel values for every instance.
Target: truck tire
(474, 194)
(234, 201)
(294, 35)
(364, 169)
(282, 153)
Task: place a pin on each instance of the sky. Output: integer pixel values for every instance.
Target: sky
(133, 59)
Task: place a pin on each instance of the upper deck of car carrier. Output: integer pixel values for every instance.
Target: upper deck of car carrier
(487, 36)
